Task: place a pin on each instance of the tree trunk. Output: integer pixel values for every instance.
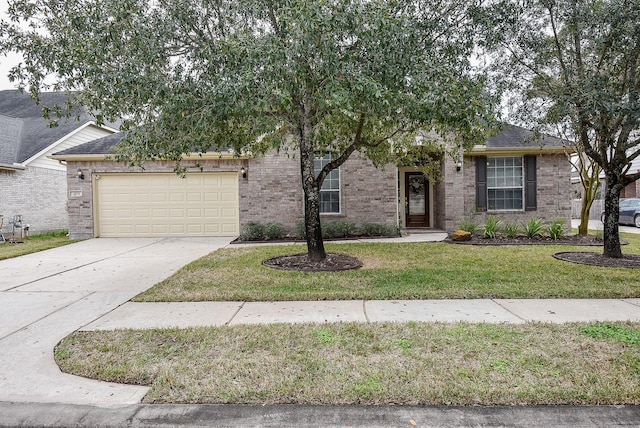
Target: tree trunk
(311, 187)
(313, 229)
(583, 228)
(611, 208)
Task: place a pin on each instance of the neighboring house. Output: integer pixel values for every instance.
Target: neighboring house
(512, 177)
(31, 184)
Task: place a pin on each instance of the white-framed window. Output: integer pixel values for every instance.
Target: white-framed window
(330, 191)
(505, 190)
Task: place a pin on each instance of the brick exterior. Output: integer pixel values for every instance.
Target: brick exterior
(553, 197)
(271, 192)
(38, 194)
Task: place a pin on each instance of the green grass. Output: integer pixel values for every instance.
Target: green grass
(351, 363)
(401, 271)
(33, 244)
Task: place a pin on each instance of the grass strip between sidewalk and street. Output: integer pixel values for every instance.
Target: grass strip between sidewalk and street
(385, 363)
(32, 244)
(431, 270)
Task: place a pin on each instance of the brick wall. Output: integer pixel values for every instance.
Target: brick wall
(553, 198)
(38, 194)
(271, 192)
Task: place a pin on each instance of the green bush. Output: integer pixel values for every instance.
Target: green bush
(533, 227)
(556, 228)
(301, 232)
(346, 228)
(378, 229)
(330, 230)
(252, 231)
(492, 227)
(510, 230)
(274, 231)
(470, 225)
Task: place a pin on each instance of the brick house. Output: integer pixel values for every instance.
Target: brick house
(512, 177)
(31, 184)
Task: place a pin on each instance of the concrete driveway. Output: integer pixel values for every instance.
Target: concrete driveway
(47, 295)
(596, 225)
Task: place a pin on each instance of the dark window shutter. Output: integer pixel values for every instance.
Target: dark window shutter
(530, 184)
(481, 183)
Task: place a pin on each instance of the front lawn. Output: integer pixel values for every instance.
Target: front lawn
(386, 363)
(401, 271)
(32, 244)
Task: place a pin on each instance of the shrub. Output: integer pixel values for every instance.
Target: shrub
(533, 227)
(510, 230)
(492, 227)
(330, 230)
(274, 231)
(252, 232)
(338, 229)
(301, 232)
(556, 228)
(469, 225)
(378, 229)
(346, 228)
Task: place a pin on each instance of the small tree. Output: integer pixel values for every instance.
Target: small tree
(589, 173)
(317, 76)
(576, 63)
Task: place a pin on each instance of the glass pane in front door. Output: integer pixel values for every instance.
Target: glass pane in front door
(417, 199)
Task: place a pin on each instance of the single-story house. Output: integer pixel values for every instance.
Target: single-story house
(512, 176)
(33, 185)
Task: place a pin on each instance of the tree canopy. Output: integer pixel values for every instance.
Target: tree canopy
(575, 64)
(311, 77)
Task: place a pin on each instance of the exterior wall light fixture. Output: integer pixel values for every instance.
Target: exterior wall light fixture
(243, 172)
(458, 166)
(80, 174)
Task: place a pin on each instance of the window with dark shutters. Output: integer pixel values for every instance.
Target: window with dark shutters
(530, 183)
(481, 183)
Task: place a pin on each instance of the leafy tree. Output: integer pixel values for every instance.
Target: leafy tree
(576, 64)
(338, 76)
(589, 173)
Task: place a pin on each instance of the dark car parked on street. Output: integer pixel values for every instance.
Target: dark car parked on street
(629, 212)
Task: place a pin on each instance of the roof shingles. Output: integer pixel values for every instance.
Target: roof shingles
(24, 131)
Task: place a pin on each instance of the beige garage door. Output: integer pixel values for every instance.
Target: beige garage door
(148, 204)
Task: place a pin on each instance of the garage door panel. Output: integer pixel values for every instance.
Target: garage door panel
(148, 204)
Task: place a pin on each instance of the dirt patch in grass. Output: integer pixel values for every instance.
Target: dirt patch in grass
(334, 262)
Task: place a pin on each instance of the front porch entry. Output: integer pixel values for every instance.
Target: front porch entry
(417, 204)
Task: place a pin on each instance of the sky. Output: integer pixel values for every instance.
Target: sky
(6, 62)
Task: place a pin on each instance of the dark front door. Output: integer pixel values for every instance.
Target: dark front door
(416, 200)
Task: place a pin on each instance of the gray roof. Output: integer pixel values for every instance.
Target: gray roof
(516, 137)
(101, 146)
(24, 131)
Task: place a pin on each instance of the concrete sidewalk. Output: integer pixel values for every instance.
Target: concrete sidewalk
(137, 315)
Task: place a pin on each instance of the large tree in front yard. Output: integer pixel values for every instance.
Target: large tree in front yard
(317, 76)
(576, 63)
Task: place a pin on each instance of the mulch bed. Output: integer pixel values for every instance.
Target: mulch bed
(629, 261)
(334, 262)
(588, 240)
